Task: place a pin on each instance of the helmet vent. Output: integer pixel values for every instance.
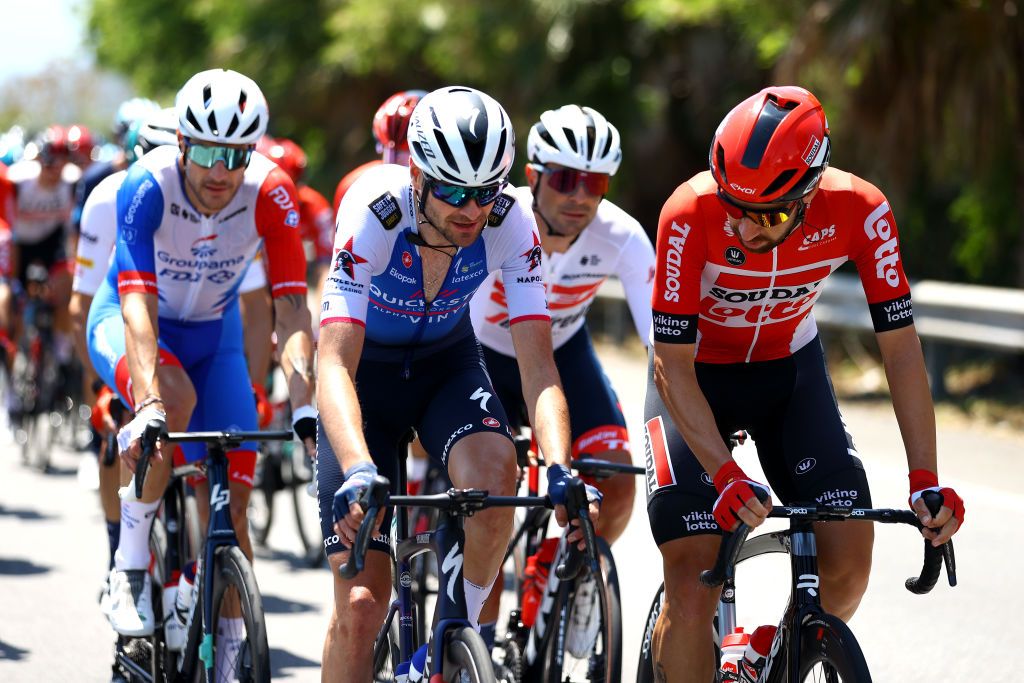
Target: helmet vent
(500, 154)
(211, 121)
(446, 151)
(192, 120)
(779, 182)
(768, 121)
(571, 137)
(241, 101)
(233, 125)
(720, 161)
(207, 95)
(253, 128)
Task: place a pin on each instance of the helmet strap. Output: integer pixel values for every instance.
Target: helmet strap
(417, 239)
(536, 210)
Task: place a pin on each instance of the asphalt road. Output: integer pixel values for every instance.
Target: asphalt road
(52, 558)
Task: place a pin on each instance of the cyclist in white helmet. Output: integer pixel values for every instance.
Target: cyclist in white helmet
(397, 350)
(164, 329)
(573, 151)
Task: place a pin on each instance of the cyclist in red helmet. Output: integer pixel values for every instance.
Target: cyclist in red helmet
(390, 126)
(743, 250)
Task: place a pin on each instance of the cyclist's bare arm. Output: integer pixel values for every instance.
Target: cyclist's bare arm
(295, 339)
(139, 311)
(676, 379)
(339, 349)
(542, 389)
(257, 319)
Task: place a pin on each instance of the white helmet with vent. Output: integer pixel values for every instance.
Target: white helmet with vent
(462, 136)
(575, 137)
(221, 106)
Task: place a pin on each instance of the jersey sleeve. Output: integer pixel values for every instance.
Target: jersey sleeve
(518, 253)
(317, 222)
(97, 234)
(140, 207)
(636, 271)
(875, 251)
(681, 254)
(277, 221)
(361, 248)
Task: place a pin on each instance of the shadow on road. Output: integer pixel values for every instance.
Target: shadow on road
(275, 605)
(283, 660)
(24, 514)
(11, 652)
(12, 567)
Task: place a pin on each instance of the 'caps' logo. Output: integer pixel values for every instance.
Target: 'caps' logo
(346, 260)
(533, 256)
(201, 248)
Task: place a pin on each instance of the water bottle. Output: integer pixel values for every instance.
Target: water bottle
(757, 650)
(734, 646)
(536, 578)
(170, 596)
(176, 628)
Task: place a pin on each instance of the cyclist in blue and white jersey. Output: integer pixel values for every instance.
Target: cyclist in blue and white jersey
(164, 328)
(397, 350)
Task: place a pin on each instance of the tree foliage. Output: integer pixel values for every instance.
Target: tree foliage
(923, 96)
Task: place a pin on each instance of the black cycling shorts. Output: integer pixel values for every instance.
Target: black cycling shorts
(595, 418)
(788, 407)
(447, 397)
(50, 252)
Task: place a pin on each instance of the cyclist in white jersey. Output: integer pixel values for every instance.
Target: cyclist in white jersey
(164, 328)
(397, 350)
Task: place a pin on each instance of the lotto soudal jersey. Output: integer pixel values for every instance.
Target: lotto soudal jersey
(39, 211)
(376, 277)
(193, 262)
(743, 307)
(613, 244)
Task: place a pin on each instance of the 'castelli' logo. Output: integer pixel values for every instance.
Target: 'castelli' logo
(407, 259)
(491, 422)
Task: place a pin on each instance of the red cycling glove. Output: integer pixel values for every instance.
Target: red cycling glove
(735, 489)
(264, 408)
(926, 480)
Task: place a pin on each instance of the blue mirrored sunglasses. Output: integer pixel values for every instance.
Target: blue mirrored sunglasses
(208, 156)
(459, 195)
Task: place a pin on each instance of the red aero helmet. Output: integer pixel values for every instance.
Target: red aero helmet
(286, 153)
(391, 122)
(772, 147)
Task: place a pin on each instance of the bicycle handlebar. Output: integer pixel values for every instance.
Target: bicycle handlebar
(371, 501)
(578, 507)
(154, 431)
(934, 558)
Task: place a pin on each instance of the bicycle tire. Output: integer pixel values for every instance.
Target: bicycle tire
(261, 502)
(386, 653)
(830, 652)
(600, 661)
(645, 664)
(466, 658)
(302, 503)
(233, 570)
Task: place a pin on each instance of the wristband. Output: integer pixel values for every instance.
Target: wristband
(304, 411)
(728, 473)
(148, 401)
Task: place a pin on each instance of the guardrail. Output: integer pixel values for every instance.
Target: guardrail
(946, 315)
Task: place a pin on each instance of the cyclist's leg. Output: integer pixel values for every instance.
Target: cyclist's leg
(466, 427)
(680, 497)
(815, 460)
(360, 604)
(598, 427)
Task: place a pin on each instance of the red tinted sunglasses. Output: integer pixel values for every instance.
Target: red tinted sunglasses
(566, 180)
(766, 218)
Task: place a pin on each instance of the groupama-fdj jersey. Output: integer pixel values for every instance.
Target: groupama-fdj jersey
(194, 264)
(376, 277)
(742, 307)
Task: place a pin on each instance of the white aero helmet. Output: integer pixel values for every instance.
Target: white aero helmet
(221, 106)
(462, 136)
(159, 128)
(575, 137)
(130, 111)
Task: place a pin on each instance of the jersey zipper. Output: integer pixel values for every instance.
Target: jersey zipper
(760, 318)
(194, 288)
(422, 329)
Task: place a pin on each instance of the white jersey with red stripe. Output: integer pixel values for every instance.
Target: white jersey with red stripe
(376, 279)
(194, 262)
(38, 210)
(98, 233)
(613, 244)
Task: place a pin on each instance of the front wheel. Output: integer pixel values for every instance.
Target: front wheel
(645, 667)
(239, 627)
(829, 653)
(466, 658)
(586, 644)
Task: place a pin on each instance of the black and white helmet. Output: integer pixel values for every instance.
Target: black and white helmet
(462, 136)
(221, 106)
(575, 137)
